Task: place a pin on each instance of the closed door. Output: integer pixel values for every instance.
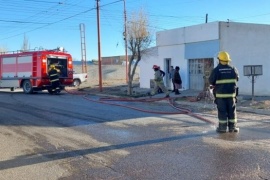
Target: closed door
(199, 71)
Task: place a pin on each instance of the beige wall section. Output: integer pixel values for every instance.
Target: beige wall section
(110, 73)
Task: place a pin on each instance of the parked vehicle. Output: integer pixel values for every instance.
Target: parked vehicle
(79, 78)
(29, 69)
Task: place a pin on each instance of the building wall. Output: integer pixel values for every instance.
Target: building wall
(176, 54)
(149, 58)
(197, 33)
(157, 56)
(204, 49)
(172, 44)
(248, 44)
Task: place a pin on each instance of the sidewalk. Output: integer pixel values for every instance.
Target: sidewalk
(260, 105)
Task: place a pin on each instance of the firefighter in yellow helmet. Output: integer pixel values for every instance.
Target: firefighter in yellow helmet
(54, 79)
(158, 79)
(224, 78)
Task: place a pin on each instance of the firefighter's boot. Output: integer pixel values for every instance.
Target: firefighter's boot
(222, 128)
(177, 92)
(236, 130)
(233, 128)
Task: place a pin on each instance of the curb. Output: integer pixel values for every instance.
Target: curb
(239, 108)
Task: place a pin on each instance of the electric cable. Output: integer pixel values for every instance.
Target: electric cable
(110, 101)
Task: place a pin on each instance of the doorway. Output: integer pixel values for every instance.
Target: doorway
(167, 80)
(199, 72)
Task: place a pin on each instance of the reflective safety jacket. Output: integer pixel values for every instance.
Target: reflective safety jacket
(224, 79)
(53, 73)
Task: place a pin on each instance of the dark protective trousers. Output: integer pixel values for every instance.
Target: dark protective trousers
(173, 85)
(226, 112)
(55, 85)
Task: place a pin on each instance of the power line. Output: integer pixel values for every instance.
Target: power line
(55, 22)
(48, 24)
(32, 13)
(22, 22)
(44, 1)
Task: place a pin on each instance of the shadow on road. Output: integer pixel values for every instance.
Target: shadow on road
(41, 158)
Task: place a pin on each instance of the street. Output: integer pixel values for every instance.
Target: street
(77, 136)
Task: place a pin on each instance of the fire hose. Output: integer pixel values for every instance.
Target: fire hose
(171, 101)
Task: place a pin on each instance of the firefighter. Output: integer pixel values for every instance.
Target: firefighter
(54, 79)
(158, 79)
(223, 78)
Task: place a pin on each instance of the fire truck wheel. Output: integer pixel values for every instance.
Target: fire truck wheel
(27, 87)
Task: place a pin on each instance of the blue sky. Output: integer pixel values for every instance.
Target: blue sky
(53, 23)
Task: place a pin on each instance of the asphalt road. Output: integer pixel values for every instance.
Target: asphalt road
(75, 136)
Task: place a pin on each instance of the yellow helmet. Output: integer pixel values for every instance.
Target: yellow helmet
(224, 56)
(52, 66)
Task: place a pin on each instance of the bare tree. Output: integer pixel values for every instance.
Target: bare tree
(138, 40)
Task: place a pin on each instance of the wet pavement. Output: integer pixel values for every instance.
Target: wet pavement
(82, 136)
(201, 153)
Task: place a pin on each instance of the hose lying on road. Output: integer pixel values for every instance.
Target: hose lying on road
(172, 103)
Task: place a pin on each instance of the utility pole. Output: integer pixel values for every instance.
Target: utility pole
(83, 48)
(99, 50)
(125, 36)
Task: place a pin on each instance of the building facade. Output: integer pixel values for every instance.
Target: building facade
(194, 49)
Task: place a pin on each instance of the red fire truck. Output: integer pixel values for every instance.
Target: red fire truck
(29, 69)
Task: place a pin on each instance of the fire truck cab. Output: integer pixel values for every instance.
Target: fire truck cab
(29, 69)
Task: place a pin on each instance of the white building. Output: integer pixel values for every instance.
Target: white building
(194, 49)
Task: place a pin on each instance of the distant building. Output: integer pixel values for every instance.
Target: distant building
(194, 49)
(112, 60)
